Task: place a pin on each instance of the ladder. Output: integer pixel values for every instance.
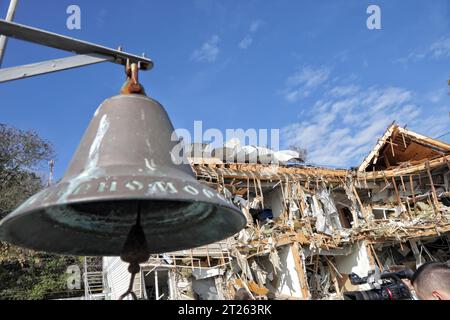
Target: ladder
(94, 279)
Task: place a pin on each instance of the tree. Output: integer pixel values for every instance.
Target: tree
(40, 276)
(21, 154)
(25, 274)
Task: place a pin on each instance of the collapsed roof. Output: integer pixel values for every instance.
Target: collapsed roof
(401, 147)
(394, 210)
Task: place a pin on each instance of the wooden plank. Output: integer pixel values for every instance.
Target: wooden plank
(392, 147)
(375, 151)
(299, 267)
(334, 277)
(433, 190)
(372, 249)
(403, 184)
(404, 141)
(419, 152)
(435, 163)
(397, 194)
(426, 140)
(386, 159)
(447, 163)
(363, 209)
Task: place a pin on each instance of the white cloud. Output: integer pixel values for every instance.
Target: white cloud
(440, 49)
(344, 125)
(246, 42)
(340, 91)
(436, 95)
(434, 124)
(208, 51)
(255, 25)
(303, 82)
(248, 39)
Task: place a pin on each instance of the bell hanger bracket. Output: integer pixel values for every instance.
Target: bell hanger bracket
(86, 53)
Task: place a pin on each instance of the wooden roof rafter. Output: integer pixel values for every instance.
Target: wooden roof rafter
(402, 144)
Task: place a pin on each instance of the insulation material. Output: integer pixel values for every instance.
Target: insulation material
(354, 208)
(329, 208)
(321, 221)
(244, 206)
(261, 275)
(243, 265)
(275, 260)
(256, 203)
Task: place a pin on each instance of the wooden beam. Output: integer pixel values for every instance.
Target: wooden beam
(404, 141)
(447, 163)
(268, 172)
(403, 183)
(374, 254)
(426, 140)
(376, 150)
(334, 279)
(397, 194)
(299, 267)
(363, 209)
(433, 190)
(392, 147)
(435, 163)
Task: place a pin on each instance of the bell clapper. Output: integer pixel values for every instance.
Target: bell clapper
(134, 251)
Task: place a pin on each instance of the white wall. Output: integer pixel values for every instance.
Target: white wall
(274, 200)
(289, 282)
(117, 275)
(357, 261)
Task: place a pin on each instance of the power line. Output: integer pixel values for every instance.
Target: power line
(443, 135)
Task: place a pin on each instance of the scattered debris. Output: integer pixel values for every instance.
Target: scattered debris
(391, 212)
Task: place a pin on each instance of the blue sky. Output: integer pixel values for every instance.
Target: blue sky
(309, 68)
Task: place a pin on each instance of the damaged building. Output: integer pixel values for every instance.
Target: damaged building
(308, 228)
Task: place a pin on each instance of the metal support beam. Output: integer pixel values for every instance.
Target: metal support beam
(156, 285)
(30, 70)
(57, 41)
(9, 17)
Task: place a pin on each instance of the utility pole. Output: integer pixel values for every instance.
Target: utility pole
(9, 17)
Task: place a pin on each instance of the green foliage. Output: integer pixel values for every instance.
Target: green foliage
(25, 274)
(41, 276)
(21, 154)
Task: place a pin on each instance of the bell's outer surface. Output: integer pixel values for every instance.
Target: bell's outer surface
(124, 164)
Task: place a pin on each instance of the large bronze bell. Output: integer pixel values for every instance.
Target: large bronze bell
(122, 172)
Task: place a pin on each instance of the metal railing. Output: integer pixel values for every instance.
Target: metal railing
(95, 287)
